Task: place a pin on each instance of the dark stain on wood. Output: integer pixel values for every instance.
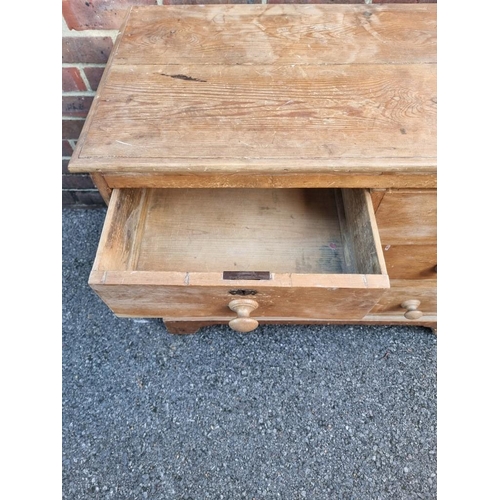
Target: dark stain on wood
(246, 275)
(184, 77)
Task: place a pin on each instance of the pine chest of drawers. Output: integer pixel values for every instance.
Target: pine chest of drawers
(267, 164)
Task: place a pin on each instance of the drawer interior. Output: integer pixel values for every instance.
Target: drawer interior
(303, 231)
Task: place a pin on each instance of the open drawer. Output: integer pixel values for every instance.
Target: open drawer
(217, 255)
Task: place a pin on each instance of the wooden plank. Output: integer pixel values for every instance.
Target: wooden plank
(411, 261)
(120, 227)
(181, 302)
(377, 197)
(280, 34)
(88, 121)
(390, 167)
(208, 279)
(256, 180)
(135, 232)
(379, 117)
(349, 261)
(362, 231)
(102, 186)
(407, 217)
(390, 302)
(281, 231)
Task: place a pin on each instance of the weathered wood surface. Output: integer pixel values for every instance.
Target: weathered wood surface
(265, 119)
(192, 236)
(418, 262)
(203, 230)
(186, 302)
(280, 34)
(267, 96)
(120, 230)
(361, 100)
(163, 252)
(401, 290)
(102, 186)
(282, 180)
(362, 231)
(408, 217)
(297, 305)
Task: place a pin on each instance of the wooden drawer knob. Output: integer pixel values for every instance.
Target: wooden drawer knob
(243, 307)
(411, 309)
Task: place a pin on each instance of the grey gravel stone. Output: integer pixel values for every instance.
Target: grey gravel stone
(292, 412)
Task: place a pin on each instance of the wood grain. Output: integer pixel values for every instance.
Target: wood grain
(358, 116)
(411, 261)
(408, 217)
(102, 186)
(267, 90)
(363, 233)
(281, 231)
(267, 96)
(163, 252)
(280, 34)
(209, 279)
(402, 290)
(183, 302)
(284, 180)
(121, 224)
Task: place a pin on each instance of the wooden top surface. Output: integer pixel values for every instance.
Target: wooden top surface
(267, 89)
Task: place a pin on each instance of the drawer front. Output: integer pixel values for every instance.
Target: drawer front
(404, 292)
(407, 222)
(406, 217)
(212, 303)
(411, 262)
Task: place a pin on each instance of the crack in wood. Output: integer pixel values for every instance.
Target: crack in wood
(184, 77)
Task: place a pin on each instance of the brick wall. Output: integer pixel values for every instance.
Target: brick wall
(89, 30)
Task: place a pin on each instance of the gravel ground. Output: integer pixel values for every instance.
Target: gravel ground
(286, 412)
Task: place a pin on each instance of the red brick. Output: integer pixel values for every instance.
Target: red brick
(86, 49)
(77, 181)
(67, 149)
(71, 80)
(93, 75)
(82, 199)
(90, 198)
(98, 14)
(76, 106)
(71, 129)
(68, 199)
